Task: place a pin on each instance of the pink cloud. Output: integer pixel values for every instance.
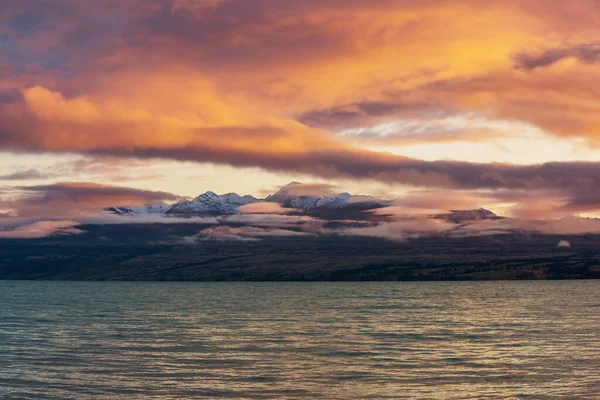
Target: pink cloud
(78, 199)
(40, 229)
(244, 233)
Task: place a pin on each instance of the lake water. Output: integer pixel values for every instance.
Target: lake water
(104, 340)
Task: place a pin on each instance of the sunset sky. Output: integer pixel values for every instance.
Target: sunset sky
(466, 102)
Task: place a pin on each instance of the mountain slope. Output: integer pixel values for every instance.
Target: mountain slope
(139, 210)
(293, 195)
(314, 200)
(211, 203)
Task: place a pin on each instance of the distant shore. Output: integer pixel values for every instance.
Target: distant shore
(143, 254)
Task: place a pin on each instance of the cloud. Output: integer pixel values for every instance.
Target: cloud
(111, 219)
(87, 190)
(432, 201)
(588, 53)
(561, 226)
(417, 123)
(79, 199)
(272, 85)
(40, 229)
(423, 226)
(288, 147)
(244, 233)
(346, 116)
(116, 169)
(400, 230)
(28, 174)
(265, 208)
(309, 189)
(272, 220)
(563, 243)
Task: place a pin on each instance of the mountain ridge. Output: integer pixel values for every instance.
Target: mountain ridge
(317, 201)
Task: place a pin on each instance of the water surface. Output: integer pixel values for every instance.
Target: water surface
(463, 340)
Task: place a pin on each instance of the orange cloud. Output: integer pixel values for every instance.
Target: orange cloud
(271, 84)
(39, 229)
(265, 208)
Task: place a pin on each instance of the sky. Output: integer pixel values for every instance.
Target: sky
(136, 101)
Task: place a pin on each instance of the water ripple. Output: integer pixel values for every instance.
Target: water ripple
(75, 340)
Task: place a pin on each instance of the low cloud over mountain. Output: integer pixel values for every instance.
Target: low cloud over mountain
(295, 209)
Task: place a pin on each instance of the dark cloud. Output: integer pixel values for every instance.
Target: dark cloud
(348, 114)
(253, 32)
(28, 174)
(79, 199)
(582, 199)
(84, 190)
(10, 95)
(306, 151)
(587, 53)
(26, 20)
(396, 169)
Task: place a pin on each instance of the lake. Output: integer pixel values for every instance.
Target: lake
(423, 340)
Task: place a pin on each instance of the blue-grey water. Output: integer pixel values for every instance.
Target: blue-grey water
(101, 340)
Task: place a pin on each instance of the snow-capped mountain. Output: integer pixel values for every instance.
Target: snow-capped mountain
(211, 203)
(293, 196)
(289, 196)
(314, 200)
(309, 198)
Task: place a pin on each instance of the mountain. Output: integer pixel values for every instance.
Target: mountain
(314, 200)
(308, 198)
(459, 216)
(294, 195)
(211, 203)
(139, 210)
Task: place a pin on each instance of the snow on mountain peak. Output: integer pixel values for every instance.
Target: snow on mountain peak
(212, 203)
(294, 195)
(315, 199)
(318, 196)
